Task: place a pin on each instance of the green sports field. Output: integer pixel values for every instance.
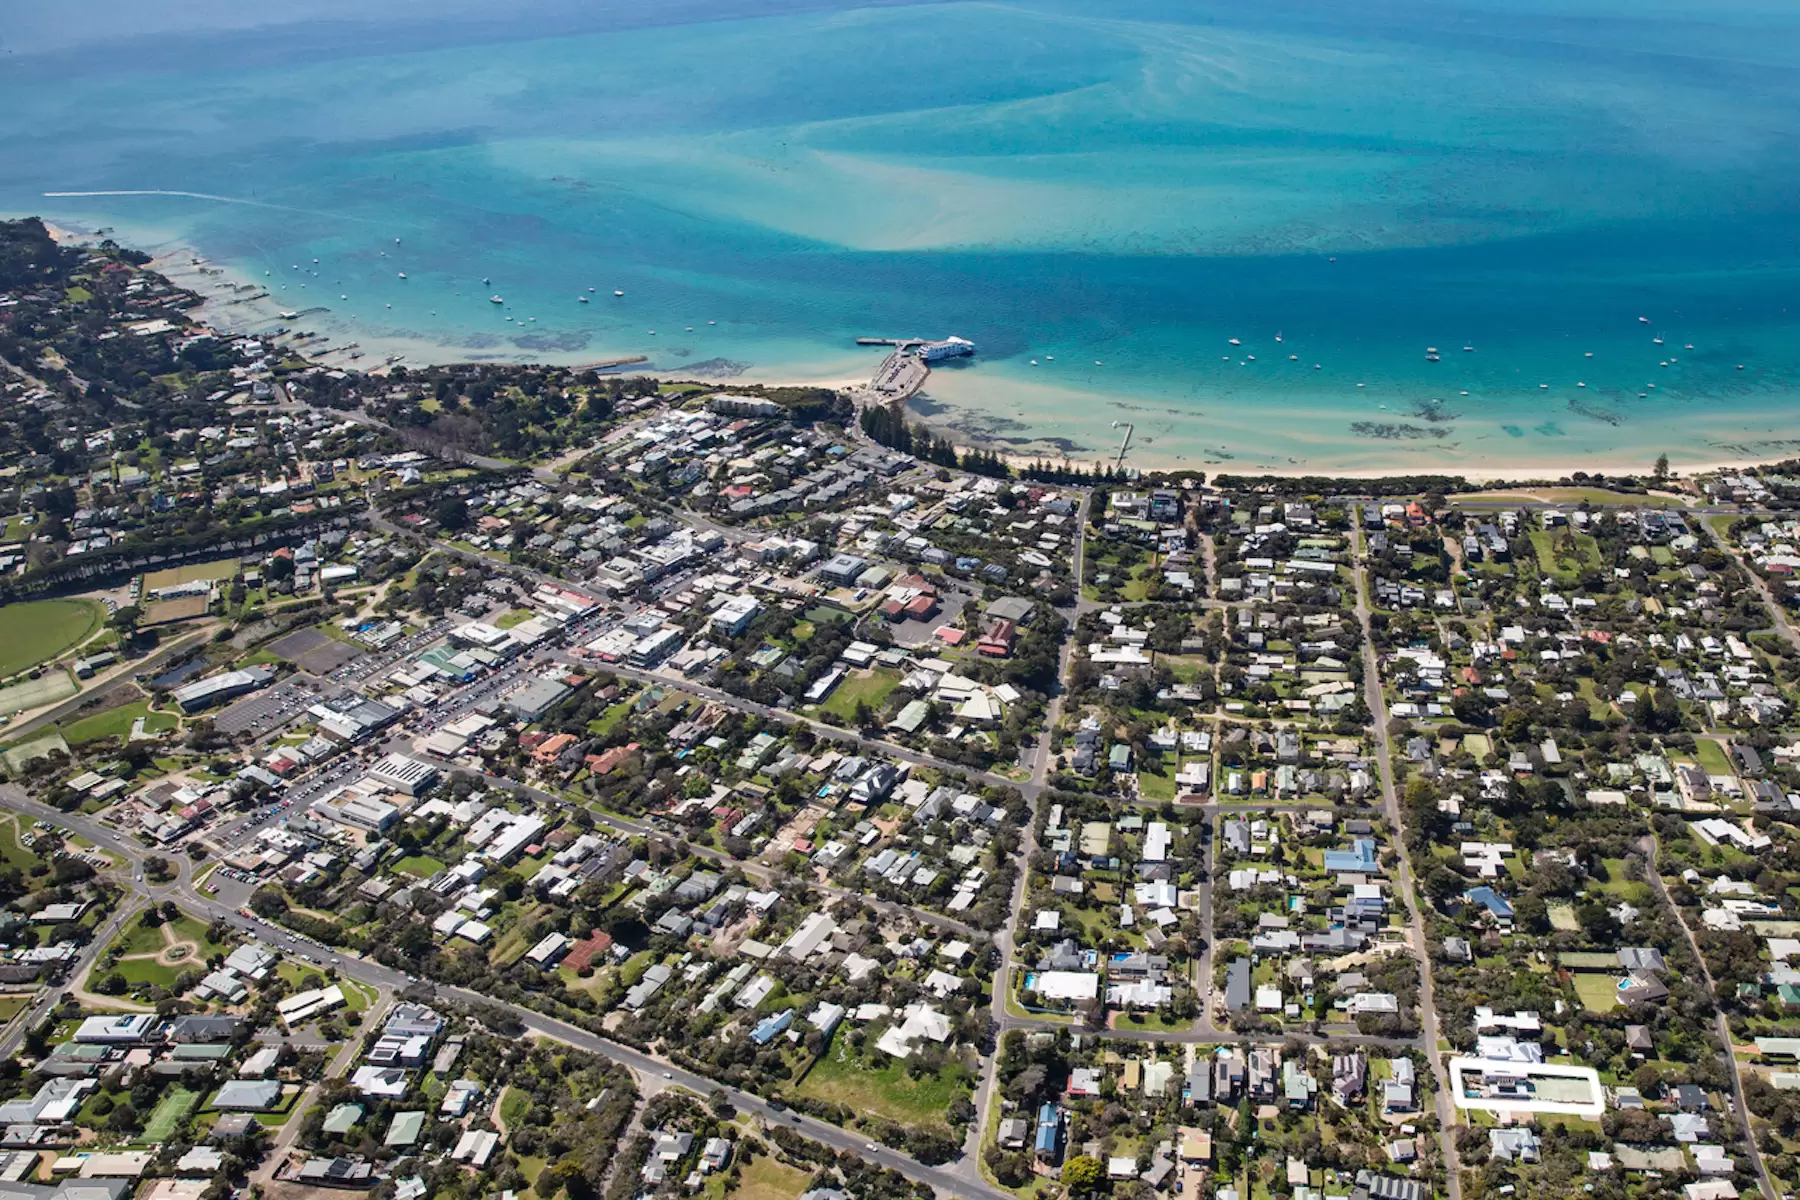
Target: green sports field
(39, 630)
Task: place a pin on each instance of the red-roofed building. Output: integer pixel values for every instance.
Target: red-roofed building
(601, 764)
(894, 611)
(922, 608)
(950, 635)
(997, 640)
(550, 749)
(583, 953)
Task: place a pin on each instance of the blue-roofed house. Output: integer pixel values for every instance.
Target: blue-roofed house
(1049, 1133)
(767, 1029)
(1358, 860)
(1491, 900)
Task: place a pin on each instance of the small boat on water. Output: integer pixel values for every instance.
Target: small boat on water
(403, 274)
(1293, 358)
(582, 299)
(617, 292)
(288, 315)
(1643, 320)
(1235, 342)
(496, 300)
(1468, 349)
(485, 279)
(1656, 341)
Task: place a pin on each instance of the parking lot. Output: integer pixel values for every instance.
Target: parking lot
(364, 665)
(314, 652)
(265, 711)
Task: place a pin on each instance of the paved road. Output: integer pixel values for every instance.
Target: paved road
(979, 1131)
(131, 855)
(123, 674)
(1403, 877)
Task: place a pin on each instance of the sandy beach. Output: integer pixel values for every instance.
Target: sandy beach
(1025, 424)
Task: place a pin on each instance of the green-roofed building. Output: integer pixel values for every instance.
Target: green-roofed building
(405, 1128)
(343, 1118)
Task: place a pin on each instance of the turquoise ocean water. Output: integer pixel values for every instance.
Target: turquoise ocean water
(1112, 190)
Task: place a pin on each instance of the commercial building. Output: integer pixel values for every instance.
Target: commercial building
(535, 697)
(404, 774)
(204, 693)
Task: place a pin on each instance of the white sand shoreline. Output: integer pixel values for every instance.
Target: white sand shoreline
(228, 305)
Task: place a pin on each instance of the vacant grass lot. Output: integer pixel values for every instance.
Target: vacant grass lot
(872, 685)
(421, 866)
(116, 723)
(767, 1179)
(883, 1087)
(1556, 562)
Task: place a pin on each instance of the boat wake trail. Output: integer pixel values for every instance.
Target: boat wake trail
(192, 196)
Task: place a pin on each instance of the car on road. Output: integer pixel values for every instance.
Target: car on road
(871, 1147)
(668, 1075)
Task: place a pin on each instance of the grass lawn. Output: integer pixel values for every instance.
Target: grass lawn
(188, 929)
(1712, 757)
(11, 852)
(1158, 784)
(113, 723)
(1621, 885)
(357, 996)
(149, 972)
(41, 629)
(769, 1179)
(421, 866)
(603, 724)
(871, 685)
(175, 1105)
(1597, 993)
(514, 1104)
(12, 1004)
(1598, 709)
(517, 616)
(1554, 563)
(1562, 917)
(139, 939)
(883, 1088)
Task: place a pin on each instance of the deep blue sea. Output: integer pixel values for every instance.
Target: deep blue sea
(1102, 196)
